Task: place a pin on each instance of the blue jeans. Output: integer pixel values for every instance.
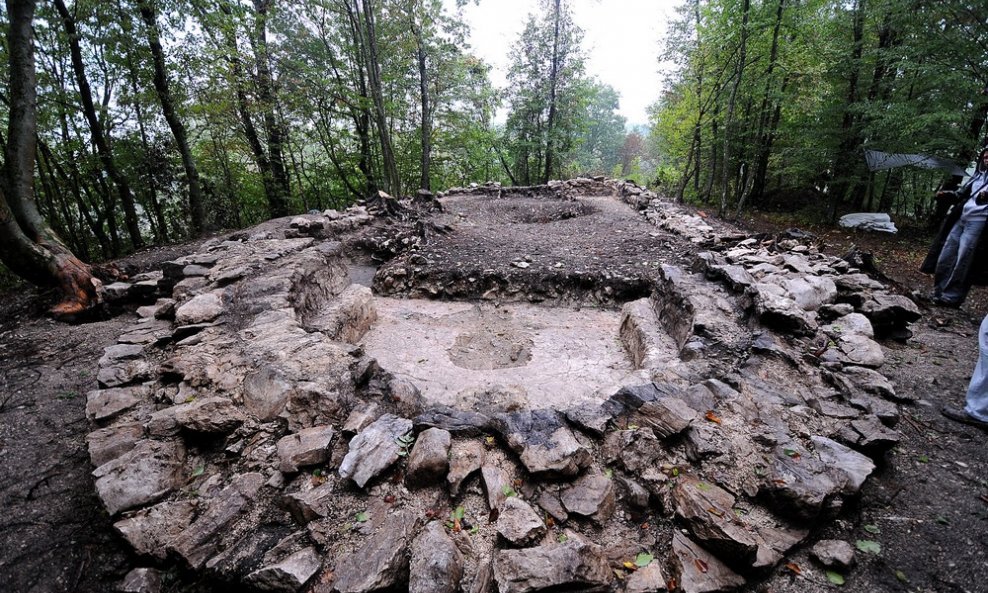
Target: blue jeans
(977, 392)
(950, 280)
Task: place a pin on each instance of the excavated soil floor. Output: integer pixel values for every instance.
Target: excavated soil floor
(482, 358)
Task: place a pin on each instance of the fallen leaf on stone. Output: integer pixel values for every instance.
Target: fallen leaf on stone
(362, 517)
(923, 459)
(901, 576)
(701, 565)
(643, 559)
(629, 565)
(716, 512)
(671, 584)
(619, 574)
(869, 546)
(835, 578)
(872, 529)
(712, 417)
(794, 568)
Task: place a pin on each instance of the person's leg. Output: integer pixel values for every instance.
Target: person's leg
(977, 392)
(955, 289)
(947, 259)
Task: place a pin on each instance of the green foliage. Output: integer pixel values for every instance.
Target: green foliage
(821, 81)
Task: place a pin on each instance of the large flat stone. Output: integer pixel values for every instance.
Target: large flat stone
(141, 476)
(374, 449)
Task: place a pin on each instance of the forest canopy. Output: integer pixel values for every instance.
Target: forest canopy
(159, 120)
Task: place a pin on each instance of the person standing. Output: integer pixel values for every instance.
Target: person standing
(956, 253)
(975, 411)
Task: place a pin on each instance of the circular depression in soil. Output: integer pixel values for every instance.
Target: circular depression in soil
(479, 356)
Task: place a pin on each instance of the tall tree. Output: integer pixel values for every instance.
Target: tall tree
(28, 246)
(99, 136)
(197, 213)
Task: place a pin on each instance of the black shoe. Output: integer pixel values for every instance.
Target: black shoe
(939, 302)
(959, 415)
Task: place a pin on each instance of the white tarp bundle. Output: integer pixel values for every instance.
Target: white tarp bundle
(868, 221)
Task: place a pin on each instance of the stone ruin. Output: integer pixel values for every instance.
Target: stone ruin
(574, 387)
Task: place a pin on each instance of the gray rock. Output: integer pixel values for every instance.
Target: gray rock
(457, 422)
(633, 450)
(102, 404)
(861, 350)
(590, 417)
(106, 444)
(148, 331)
(161, 309)
(574, 565)
(497, 482)
(868, 434)
(143, 475)
(266, 393)
(149, 531)
(542, 441)
(209, 415)
(123, 372)
(550, 502)
(200, 309)
(851, 467)
(429, 460)
(141, 580)
(590, 496)
(290, 574)
(306, 447)
(833, 553)
(374, 449)
(518, 523)
(382, 562)
(667, 416)
(200, 541)
(312, 504)
(465, 457)
(871, 381)
(708, 512)
(361, 417)
(635, 495)
(646, 580)
(436, 562)
(698, 570)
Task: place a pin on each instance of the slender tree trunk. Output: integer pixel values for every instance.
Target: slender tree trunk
(850, 140)
(27, 245)
(426, 163)
(266, 97)
(729, 119)
(553, 80)
(96, 128)
(197, 214)
(392, 183)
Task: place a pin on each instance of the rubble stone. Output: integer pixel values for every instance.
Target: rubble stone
(374, 449)
(306, 447)
(574, 565)
(518, 523)
(429, 459)
(436, 562)
(382, 561)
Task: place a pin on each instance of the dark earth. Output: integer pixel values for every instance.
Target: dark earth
(926, 505)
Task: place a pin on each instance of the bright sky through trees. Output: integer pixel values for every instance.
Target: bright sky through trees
(622, 40)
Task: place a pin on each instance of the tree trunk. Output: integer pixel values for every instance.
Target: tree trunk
(553, 76)
(197, 212)
(424, 181)
(850, 141)
(266, 97)
(27, 245)
(96, 128)
(392, 183)
(729, 119)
